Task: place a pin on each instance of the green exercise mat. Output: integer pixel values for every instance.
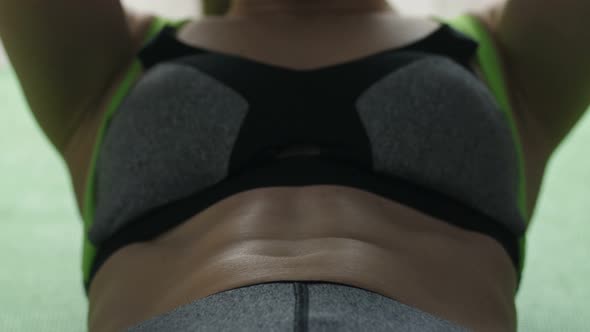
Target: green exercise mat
(41, 236)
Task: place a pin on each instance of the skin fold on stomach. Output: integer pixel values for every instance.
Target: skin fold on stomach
(317, 233)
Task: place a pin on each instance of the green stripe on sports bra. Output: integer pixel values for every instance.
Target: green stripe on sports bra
(489, 61)
(492, 70)
(89, 250)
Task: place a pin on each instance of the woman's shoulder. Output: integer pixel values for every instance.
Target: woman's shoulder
(548, 62)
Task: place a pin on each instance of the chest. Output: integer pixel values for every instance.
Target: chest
(535, 155)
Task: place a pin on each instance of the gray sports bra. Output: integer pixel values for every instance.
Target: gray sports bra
(412, 124)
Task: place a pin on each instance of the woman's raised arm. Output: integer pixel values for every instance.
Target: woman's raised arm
(64, 53)
(546, 48)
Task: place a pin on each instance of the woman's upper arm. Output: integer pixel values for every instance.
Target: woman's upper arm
(546, 49)
(64, 53)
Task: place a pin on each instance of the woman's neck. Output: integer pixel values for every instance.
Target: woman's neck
(306, 8)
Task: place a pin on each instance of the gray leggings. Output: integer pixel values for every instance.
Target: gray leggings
(296, 306)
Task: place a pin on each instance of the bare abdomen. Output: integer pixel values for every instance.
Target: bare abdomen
(323, 233)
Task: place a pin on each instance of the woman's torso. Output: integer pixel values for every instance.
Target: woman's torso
(325, 232)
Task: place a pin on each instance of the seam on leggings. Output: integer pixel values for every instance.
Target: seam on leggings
(301, 307)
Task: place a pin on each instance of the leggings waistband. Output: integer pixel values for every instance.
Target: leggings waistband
(296, 306)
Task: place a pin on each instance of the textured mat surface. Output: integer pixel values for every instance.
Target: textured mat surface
(40, 241)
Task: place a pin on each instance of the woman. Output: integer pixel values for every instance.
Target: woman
(294, 165)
